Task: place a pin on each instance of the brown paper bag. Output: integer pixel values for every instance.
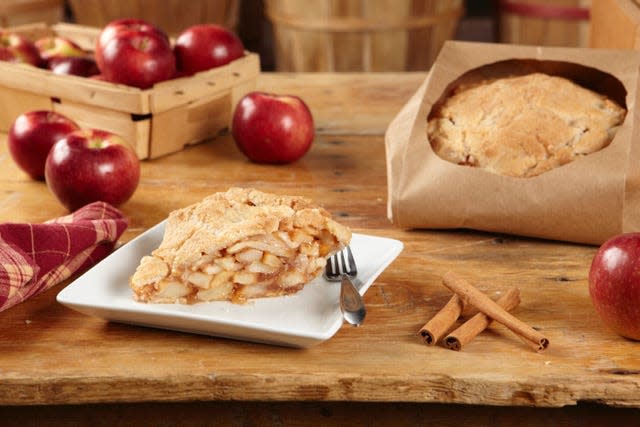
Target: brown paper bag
(585, 201)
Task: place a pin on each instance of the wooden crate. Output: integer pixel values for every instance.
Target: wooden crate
(615, 24)
(19, 12)
(157, 121)
(544, 22)
(361, 35)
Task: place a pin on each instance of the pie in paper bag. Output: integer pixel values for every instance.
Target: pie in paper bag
(569, 172)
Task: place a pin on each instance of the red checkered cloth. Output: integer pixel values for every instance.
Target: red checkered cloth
(35, 257)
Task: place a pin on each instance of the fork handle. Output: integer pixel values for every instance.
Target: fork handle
(351, 302)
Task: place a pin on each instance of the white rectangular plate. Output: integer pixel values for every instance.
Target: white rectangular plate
(300, 320)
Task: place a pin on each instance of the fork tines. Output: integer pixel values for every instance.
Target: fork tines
(338, 264)
(350, 268)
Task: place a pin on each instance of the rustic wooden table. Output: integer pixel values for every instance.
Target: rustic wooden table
(65, 367)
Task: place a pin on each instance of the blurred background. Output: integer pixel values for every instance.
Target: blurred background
(338, 35)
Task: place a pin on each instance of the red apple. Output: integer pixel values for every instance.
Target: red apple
(205, 46)
(31, 137)
(16, 48)
(58, 47)
(272, 128)
(124, 25)
(91, 165)
(73, 65)
(614, 284)
(139, 59)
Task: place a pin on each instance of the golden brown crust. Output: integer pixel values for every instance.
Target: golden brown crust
(231, 245)
(522, 126)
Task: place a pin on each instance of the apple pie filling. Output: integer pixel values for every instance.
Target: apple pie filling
(248, 244)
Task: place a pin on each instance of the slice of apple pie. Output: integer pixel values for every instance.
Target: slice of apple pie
(237, 245)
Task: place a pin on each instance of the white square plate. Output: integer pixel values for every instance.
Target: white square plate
(300, 320)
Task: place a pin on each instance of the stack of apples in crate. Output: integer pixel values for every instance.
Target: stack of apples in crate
(128, 51)
(267, 128)
(136, 53)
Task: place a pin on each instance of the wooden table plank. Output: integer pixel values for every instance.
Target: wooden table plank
(317, 414)
(52, 355)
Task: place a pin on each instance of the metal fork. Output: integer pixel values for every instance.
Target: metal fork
(343, 269)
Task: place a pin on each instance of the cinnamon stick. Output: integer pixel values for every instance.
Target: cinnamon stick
(442, 322)
(478, 323)
(471, 295)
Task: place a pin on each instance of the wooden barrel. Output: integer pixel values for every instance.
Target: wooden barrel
(360, 35)
(172, 16)
(545, 22)
(19, 12)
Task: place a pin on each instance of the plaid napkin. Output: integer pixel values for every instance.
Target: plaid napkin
(35, 257)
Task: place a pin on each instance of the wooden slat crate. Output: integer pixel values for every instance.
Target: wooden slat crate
(19, 12)
(157, 121)
(172, 16)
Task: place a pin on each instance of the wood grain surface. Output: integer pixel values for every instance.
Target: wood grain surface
(50, 354)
